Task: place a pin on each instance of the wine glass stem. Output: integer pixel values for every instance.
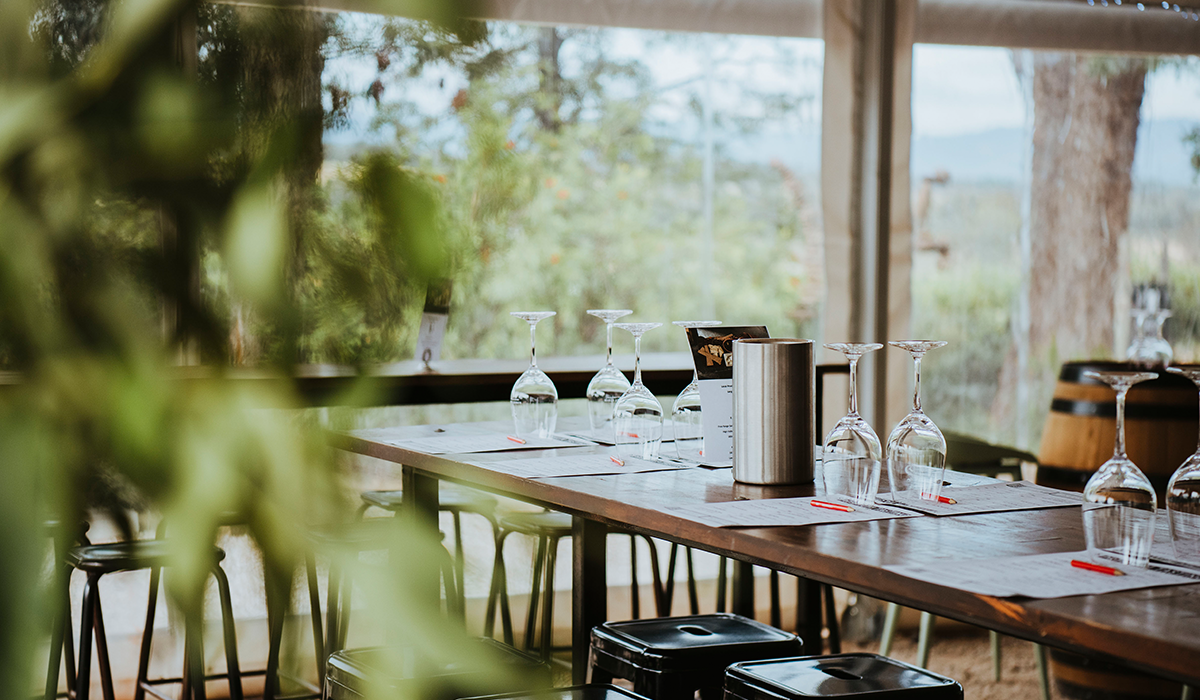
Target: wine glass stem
(1119, 450)
(916, 383)
(1198, 443)
(637, 359)
(853, 386)
(533, 344)
(609, 325)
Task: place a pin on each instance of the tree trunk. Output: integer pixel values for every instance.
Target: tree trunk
(1086, 114)
(549, 106)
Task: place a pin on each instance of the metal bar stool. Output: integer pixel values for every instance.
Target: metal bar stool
(62, 652)
(98, 560)
(549, 528)
(452, 499)
(329, 636)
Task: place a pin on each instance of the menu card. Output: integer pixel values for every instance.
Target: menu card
(987, 498)
(1042, 575)
(712, 353)
(781, 512)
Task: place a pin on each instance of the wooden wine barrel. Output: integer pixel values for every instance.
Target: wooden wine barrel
(1161, 418)
(1081, 678)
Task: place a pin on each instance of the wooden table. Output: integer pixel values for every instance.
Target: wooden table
(1157, 630)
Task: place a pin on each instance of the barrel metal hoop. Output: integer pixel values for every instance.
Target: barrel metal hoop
(1132, 411)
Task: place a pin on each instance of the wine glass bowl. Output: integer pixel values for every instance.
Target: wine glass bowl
(687, 420)
(916, 448)
(852, 452)
(1119, 503)
(1183, 495)
(534, 398)
(637, 415)
(607, 385)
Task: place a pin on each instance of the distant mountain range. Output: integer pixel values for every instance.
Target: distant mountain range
(986, 156)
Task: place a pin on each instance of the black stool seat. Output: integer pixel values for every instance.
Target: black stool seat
(670, 658)
(372, 533)
(125, 556)
(402, 672)
(450, 498)
(537, 524)
(591, 691)
(861, 676)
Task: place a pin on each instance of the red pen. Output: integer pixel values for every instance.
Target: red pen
(832, 506)
(515, 439)
(1096, 567)
(618, 462)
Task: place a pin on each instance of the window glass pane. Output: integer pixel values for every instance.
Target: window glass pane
(572, 164)
(1089, 154)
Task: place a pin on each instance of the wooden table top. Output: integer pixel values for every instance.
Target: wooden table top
(1157, 630)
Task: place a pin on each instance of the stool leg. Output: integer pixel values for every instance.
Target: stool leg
(232, 666)
(1043, 673)
(60, 625)
(656, 581)
(139, 691)
(497, 589)
(531, 621)
(83, 677)
(668, 584)
(925, 639)
(994, 643)
(460, 565)
(333, 607)
(193, 661)
(106, 681)
(776, 615)
(634, 602)
(548, 606)
(344, 610)
(693, 597)
(277, 594)
(831, 621)
(889, 629)
(314, 601)
(721, 585)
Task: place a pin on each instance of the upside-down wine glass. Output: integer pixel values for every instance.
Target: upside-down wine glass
(534, 399)
(850, 458)
(609, 383)
(638, 416)
(686, 417)
(1183, 495)
(1118, 501)
(916, 448)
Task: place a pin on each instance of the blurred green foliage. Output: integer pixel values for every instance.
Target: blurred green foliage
(144, 145)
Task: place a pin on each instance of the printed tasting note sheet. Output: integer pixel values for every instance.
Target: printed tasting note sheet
(771, 512)
(580, 465)
(988, 498)
(1042, 575)
(492, 442)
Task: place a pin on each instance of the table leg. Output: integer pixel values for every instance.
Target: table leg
(743, 589)
(589, 590)
(808, 615)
